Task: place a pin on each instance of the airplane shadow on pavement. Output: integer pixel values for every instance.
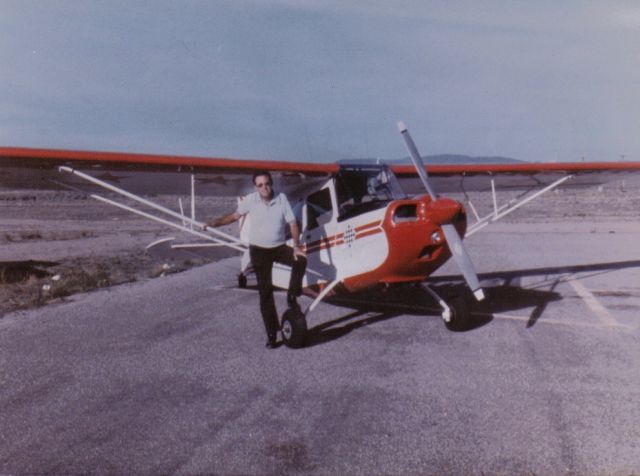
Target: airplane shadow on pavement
(371, 308)
(502, 289)
(504, 292)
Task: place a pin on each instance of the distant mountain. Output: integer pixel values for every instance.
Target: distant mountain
(459, 159)
(442, 159)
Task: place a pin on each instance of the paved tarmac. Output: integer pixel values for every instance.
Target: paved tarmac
(172, 376)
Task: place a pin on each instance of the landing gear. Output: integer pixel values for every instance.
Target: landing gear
(294, 321)
(459, 316)
(294, 328)
(242, 281)
(455, 312)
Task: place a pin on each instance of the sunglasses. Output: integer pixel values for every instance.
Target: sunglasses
(262, 185)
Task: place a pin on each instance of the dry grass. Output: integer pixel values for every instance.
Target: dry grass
(30, 286)
(93, 245)
(25, 285)
(79, 282)
(36, 290)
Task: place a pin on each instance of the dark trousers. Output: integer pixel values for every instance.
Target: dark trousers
(262, 260)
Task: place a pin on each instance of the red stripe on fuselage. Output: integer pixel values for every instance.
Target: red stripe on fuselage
(368, 225)
(338, 239)
(368, 233)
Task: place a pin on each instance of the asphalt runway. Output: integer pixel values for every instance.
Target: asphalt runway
(171, 375)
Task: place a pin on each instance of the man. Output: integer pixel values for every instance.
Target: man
(270, 214)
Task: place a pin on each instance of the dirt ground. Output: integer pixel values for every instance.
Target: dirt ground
(55, 244)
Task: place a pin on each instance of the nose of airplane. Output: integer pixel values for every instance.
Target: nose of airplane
(443, 211)
(439, 212)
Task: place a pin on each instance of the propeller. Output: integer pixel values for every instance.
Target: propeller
(454, 241)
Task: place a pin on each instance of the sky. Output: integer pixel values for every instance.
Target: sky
(320, 81)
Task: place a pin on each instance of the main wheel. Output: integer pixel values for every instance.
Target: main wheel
(460, 316)
(294, 328)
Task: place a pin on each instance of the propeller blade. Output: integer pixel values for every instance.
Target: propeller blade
(463, 260)
(416, 159)
(450, 233)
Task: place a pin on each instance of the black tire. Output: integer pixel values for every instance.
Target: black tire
(294, 328)
(242, 281)
(460, 316)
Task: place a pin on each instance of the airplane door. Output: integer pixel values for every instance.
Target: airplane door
(319, 232)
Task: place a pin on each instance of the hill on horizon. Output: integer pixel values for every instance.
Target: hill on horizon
(444, 159)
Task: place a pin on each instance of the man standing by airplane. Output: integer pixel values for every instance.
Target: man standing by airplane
(270, 214)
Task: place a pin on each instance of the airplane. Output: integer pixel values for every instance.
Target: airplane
(364, 224)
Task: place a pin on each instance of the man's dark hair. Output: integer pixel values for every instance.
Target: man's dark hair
(259, 173)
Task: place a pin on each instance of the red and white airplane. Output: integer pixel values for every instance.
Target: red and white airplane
(364, 224)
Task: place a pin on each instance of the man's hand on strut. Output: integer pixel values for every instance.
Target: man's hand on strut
(211, 224)
(225, 220)
(298, 251)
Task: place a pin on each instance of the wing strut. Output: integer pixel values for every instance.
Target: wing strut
(504, 210)
(186, 224)
(168, 222)
(223, 238)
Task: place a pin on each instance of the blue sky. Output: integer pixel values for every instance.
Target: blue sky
(319, 81)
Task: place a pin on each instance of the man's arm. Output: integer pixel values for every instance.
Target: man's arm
(295, 236)
(225, 220)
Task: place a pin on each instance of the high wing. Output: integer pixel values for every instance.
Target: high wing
(146, 174)
(22, 168)
(522, 182)
(136, 176)
(518, 176)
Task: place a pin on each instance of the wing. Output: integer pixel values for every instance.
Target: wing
(144, 174)
(526, 176)
(170, 174)
(521, 182)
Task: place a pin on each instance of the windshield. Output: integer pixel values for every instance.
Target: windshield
(362, 188)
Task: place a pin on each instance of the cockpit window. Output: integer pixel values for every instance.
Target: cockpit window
(365, 188)
(318, 208)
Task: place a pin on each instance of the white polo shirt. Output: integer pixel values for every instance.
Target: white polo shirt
(268, 221)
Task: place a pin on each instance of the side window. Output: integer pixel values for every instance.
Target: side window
(318, 208)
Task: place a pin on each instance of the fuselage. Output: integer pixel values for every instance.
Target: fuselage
(415, 245)
(361, 229)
